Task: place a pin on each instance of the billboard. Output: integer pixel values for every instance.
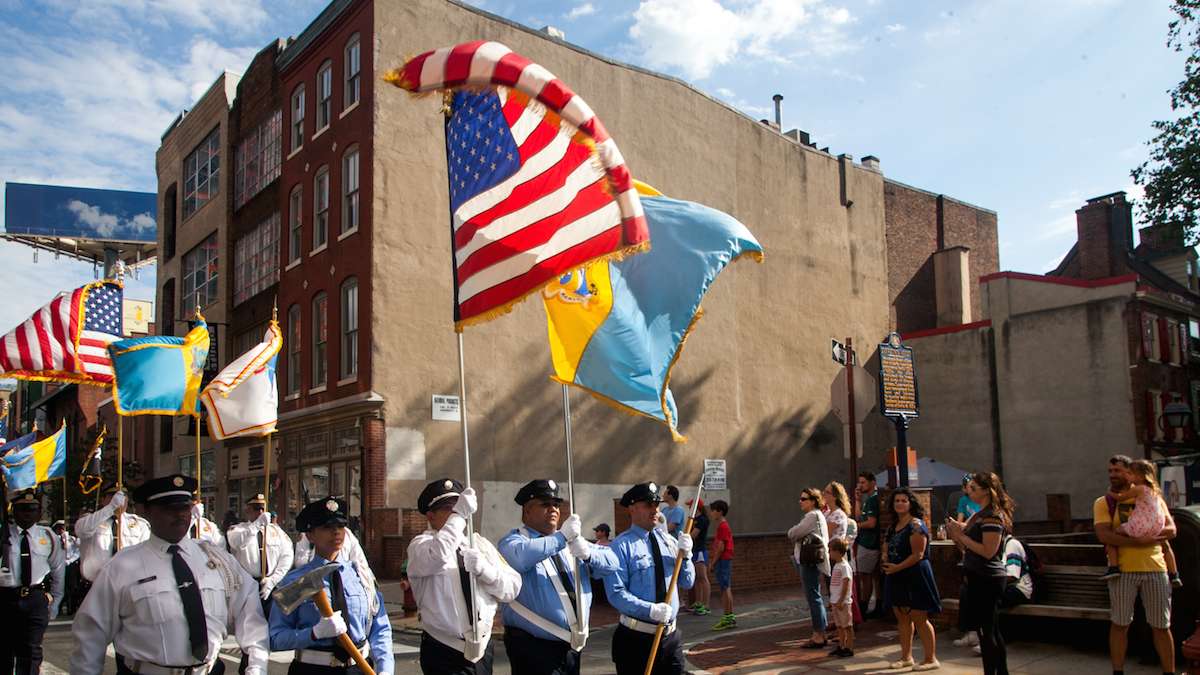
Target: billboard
(80, 213)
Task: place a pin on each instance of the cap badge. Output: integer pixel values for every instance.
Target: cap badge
(331, 505)
(178, 481)
(449, 485)
(552, 485)
(212, 565)
(653, 487)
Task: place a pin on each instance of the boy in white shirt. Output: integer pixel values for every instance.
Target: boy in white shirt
(841, 583)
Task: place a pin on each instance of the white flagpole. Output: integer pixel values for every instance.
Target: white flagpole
(566, 398)
(462, 411)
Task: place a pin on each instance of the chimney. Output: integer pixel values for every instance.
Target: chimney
(952, 285)
(555, 33)
(1162, 238)
(1105, 230)
(778, 98)
(871, 163)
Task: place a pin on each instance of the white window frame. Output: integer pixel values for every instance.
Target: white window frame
(351, 211)
(193, 169)
(257, 159)
(296, 225)
(256, 260)
(209, 288)
(352, 73)
(324, 96)
(297, 118)
(320, 343)
(320, 209)
(348, 367)
(295, 341)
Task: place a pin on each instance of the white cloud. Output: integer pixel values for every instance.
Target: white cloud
(213, 16)
(586, 9)
(107, 224)
(895, 27)
(696, 36)
(725, 93)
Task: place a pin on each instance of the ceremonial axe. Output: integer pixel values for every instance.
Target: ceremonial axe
(312, 585)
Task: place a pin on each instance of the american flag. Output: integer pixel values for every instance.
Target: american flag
(537, 186)
(67, 340)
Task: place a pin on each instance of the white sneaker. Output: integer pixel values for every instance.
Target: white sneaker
(967, 640)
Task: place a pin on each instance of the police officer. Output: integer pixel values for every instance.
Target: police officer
(34, 583)
(97, 532)
(246, 542)
(440, 563)
(70, 547)
(351, 589)
(542, 632)
(203, 528)
(167, 603)
(303, 551)
(646, 561)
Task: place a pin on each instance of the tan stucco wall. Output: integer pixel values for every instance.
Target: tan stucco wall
(753, 384)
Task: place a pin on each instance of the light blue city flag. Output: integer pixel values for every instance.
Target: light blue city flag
(616, 328)
(37, 462)
(159, 375)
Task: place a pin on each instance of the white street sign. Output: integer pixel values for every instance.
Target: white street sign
(714, 474)
(865, 395)
(445, 408)
(858, 438)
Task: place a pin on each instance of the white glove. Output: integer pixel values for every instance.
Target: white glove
(580, 548)
(264, 589)
(685, 544)
(467, 504)
(197, 510)
(478, 564)
(118, 500)
(329, 626)
(263, 519)
(660, 612)
(571, 527)
(660, 523)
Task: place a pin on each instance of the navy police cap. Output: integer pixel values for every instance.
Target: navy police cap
(327, 511)
(642, 492)
(166, 490)
(442, 488)
(538, 489)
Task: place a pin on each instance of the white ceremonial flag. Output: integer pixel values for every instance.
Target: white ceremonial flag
(242, 400)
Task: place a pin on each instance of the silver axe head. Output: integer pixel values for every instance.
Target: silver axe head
(294, 594)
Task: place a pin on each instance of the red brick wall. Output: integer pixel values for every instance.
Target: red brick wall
(1101, 254)
(382, 520)
(762, 561)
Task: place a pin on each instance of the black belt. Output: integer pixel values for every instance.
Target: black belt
(23, 591)
(358, 646)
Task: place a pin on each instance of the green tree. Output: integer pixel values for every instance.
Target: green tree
(1171, 177)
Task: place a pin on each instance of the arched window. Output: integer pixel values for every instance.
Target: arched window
(295, 223)
(294, 348)
(350, 190)
(324, 95)
(321, 208)
(320, 338)
(349, 301)
(353, 71)
(298, 118)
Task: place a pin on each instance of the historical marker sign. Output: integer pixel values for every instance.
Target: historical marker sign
(714, 474)
(897, 379)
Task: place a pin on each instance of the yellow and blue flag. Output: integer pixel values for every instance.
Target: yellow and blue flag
(617, 327)
(160, 375)
(37, 462)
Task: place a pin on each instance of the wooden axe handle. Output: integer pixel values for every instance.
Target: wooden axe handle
(326, 610)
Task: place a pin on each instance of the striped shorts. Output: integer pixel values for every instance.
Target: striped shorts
(1155, 590)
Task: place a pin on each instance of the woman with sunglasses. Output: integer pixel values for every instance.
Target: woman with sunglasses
(811, 555)
(909, 587)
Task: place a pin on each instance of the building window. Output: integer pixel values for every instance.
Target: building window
(256, 260)
(353, 68)
(1149, 336)
(200, 274)
(254, 458)
(320, 326)
(1154, 412)
(1193, 341)
(256, 160)
(295, 223)
(166, 315)
(1173, 343)
(350, 191)
(324, 95)
(298, 118)
(349, 329)
(321, 208)
(170, 199)
(202, 174)
(294, 348)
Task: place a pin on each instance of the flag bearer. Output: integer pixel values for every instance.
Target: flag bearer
(440, 564)
(97, 532)
(202, 528)
(167, 603)
(357, 602)
(246, 542)
(542, 632)
(34, 583)
(638, 589)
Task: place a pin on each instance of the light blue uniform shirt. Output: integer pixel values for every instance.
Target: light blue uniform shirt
(524, 549)
(675, 515)
(294, 631)
(631, 588)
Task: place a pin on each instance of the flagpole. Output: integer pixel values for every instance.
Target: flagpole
(687, 529)
(262, 557)
(120, 473)
(196, 531)
(64, 496)
(566, 399)
(462, 410)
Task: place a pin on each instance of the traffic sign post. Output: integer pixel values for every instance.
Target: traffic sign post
(852, 396)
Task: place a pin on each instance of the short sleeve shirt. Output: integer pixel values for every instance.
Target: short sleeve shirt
(725, 534)
(675, 515)
(868, 537)
(966, 507)
(1129, 558)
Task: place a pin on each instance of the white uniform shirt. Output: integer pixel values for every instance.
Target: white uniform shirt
(134, 604)
(71, 546)
(47, 559)
(209, 532)
(243, 543)
(433, 572)
(95, 534)
(351, 550)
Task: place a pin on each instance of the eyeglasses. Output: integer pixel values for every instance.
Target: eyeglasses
(806, 499)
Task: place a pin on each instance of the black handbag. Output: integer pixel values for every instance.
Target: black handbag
(812, 550)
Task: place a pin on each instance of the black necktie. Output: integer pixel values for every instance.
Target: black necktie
(26, 560)
(262, 564)
(339, 605)
(465, 580)
(566, 580)
(660, 581)
(112, 547)
(193, 604)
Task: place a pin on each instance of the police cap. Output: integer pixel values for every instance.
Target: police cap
(26, 499)
(538, 489)
(642, 492)
(259, 498)
(166, 490)
(442, 488)
(327, 511)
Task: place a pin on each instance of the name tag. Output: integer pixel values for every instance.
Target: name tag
(147, 579)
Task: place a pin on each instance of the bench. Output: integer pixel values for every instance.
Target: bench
(1067, 592)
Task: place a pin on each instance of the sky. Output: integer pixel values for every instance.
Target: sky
(1024, 107)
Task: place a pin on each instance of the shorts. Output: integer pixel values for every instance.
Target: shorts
(867, 560)
(1155, 591)
(841, 616)
(700, 556)
(723, 571)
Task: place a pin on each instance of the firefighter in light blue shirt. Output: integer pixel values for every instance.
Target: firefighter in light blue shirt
(356, 599)
(542, 633)
(637, 590)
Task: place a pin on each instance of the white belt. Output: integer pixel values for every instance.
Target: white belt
(147, 668)
(645, 626)
(318, 657)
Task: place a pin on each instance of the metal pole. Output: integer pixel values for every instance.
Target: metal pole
(853, 417)
(902, 449)
(120, 514)
(566, 397)
(262, 554)
(196, 531)
(462, 410)
(687, 528)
